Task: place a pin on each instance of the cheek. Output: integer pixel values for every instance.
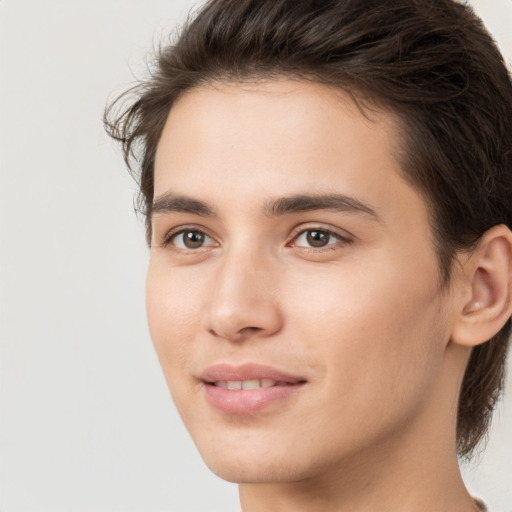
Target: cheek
(173, 311)
(369, 325)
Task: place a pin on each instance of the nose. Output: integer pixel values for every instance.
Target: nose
(243, 302)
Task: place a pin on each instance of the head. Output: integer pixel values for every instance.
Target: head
(427, 73)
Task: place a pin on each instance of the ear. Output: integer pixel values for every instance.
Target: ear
(487, 297)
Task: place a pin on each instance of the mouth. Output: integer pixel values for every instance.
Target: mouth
(235, 385)
(247, 389)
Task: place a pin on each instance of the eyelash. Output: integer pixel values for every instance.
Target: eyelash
(173, 234)
(303, 232)
(344, 240)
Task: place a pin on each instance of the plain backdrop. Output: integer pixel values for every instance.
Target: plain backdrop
(86, 421)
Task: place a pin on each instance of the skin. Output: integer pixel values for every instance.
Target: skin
(364, 320)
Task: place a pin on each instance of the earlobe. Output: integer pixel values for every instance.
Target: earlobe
(488, 276)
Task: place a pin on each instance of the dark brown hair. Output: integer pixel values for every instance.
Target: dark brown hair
(432, 64)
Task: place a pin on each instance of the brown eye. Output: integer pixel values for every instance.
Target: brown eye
(191, 239)
(316, 238)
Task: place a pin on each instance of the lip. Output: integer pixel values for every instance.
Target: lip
(247, 401)
(248, 371)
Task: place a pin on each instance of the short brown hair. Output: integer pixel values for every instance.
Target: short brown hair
(431, 63)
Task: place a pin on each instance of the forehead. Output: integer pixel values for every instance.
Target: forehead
(292, 109)
(245, 142)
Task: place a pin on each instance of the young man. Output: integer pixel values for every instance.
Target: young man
(327, 192)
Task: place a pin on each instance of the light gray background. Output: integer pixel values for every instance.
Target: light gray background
(86, 422)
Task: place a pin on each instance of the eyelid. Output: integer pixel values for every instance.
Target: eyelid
(167, 238)
(343, 235)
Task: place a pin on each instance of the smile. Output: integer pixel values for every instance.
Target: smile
(249, 384)
(247, 389)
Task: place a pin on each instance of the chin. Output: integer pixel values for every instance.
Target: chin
(252, 463)
(256, 472)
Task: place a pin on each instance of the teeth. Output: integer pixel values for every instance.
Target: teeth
(245, 384)
(251, 384)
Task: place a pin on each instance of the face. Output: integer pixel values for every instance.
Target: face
(293, 291)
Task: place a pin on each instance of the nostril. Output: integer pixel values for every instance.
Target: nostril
(238, 335)
(250, 329)
(246, 332)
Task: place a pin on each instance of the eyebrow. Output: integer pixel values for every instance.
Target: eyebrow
(170, 202)
(311, 202)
